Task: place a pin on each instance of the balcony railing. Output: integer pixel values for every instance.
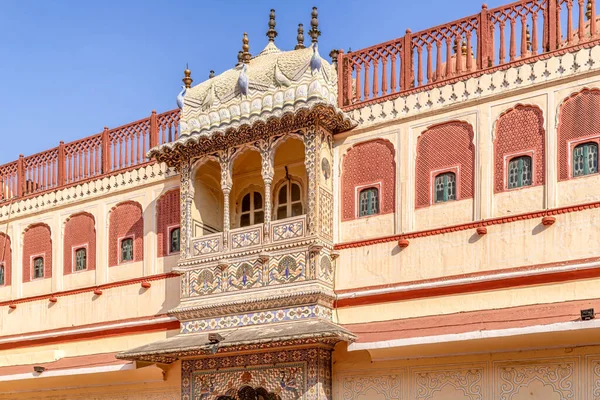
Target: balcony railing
(468, 46)
(251, 237)
(108, 152)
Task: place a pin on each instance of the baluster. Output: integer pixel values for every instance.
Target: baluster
(86, 163)
(569, 21)
(357, 85)
(438, 64)
(502, 55)
(144, 146)
(581, 22)
(592, 18)
(513, 39)
(523, 36)
(490, 46)
(384, 88)
(459, 54)
(121, 156)
(534, 40)
(448, 57)
(419, 66)
(393, 73)
(375, 77)
(131, 144)
(429, 57)
(164, 133)
(469, 57)
(97, 170)
(45, 180)
(367, 93)
(139, 148)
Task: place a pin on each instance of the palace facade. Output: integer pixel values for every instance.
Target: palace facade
(419, 219)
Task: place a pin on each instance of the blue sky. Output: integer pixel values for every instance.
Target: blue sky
(69, 68)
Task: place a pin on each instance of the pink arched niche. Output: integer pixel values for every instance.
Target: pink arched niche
(519, 132)
(125, 221)
(80, 232)
(445, 147)
(37, 242)
(369, 163)
(578, 121)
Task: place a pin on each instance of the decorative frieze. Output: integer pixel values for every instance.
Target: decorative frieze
(288, 229)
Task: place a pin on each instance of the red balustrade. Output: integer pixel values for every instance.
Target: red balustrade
(94, 156)
(493, 38)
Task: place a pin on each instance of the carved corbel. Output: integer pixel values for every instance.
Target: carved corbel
(334, 255)
(264, 258)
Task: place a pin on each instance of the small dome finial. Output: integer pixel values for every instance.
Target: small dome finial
(588, 10)
(272, 33)
(187, 78)
(314, 23)
(211, 74)
(300, 37)
(528, 38)
(246, 56)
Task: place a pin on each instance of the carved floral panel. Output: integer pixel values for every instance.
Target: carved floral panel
(516, 382)
(372, 387)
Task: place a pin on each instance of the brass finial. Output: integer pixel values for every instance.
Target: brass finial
(464, 48)
(240, 57)
(300, 37)
(314, 23)
(211, 74)
(334, 57)
(187, 79)
(528, 38)
(272, 33)
(246, 56)
(588, 10)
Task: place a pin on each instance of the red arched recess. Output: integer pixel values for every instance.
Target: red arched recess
(369, 163)
(519, 130)
(37, 242)
(79, 232)
(125, 221)
(578, 118)
(448, 145)
(6, 257)
(167, 216)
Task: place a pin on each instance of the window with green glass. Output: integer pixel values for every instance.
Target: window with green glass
(519, 172)
(80, 259)
(174, 240)
(585, 159)
(1, 275)
(445, 187)
(38, 267)
(127, 249)
(369, 202)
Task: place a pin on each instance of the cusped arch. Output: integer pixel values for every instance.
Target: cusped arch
(125, 221)
(79, 232)
(360, 170)
(168, 217)
(519, 130)
(445, 146)
(37, 243)
(578, 118)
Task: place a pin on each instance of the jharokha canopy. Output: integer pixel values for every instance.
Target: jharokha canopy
(266, 88)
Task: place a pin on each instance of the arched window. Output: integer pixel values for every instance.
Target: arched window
(38, 267)
(174, 240)
(519, 172)
(80, 259)
(368, 202)
(585, 159)
(445, 187)
(127, 249)
(252, 209)
(289, 200)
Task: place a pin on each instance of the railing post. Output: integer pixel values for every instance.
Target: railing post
(105, 151)
(61, 164)
(340, 74)
(551, 25)
(153, 130)
(20, 175)
(483, 40)
(406, 62)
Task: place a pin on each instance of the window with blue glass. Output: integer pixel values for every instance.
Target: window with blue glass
(174, 240)
(445, 187)
(519, 172)
(80, 259)
(368, 202)
(585, 159)
(127, 249)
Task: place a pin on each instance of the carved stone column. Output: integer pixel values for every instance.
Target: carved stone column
(226, 184)
(267, 171)
(311, 147)
(186, 198)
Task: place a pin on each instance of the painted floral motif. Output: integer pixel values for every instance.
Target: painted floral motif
(245, 239)
(206, 246)
(288, 230)
(244, 277)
